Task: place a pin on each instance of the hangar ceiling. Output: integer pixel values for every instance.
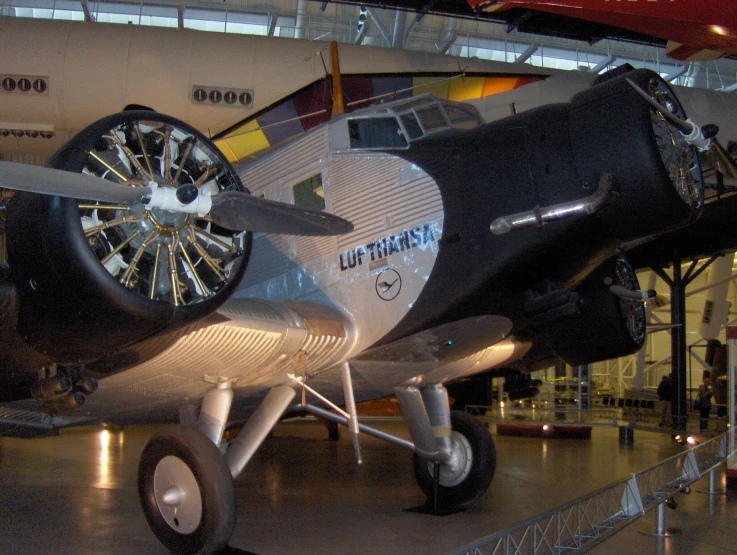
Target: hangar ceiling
(448, 26)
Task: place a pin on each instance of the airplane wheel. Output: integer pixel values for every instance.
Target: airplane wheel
(186, 491)
(468, 474)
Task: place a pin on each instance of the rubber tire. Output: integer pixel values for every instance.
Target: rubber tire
(461, 495)
(216, 489)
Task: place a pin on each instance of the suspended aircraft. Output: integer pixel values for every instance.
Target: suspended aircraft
(695, 31)
(392, 250)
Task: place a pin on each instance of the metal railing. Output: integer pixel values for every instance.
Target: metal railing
(584, 523)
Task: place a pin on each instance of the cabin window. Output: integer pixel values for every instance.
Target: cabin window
(309, 193)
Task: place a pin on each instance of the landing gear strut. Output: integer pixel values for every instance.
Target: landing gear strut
(454, 444)
(185, 484)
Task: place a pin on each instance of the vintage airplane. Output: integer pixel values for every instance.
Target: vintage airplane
(392, 250)
(695, 31)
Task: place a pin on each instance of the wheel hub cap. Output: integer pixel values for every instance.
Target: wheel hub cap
(177, 495)
(458, 466)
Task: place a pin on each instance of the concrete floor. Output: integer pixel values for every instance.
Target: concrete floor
(76, 493)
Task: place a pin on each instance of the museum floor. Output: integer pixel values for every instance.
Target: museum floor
(76, 494)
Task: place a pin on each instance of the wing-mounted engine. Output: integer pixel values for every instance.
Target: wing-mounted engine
(612, 134)
(93, 277)
(603, 319)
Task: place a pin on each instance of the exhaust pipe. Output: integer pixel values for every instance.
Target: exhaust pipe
(64, 403)
(50, 387)
(538, 217)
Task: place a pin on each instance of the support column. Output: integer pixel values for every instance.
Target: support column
(660, 529)
(731, 406)
(678, 334)
(678, 345)
(400, 23)
(561, 371)
(300, 31)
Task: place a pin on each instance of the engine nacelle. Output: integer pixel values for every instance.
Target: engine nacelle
(92, 278)
(607, 326)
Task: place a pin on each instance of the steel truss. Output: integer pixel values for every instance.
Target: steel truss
(578, 526)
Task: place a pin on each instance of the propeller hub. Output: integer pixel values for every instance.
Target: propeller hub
(167, 221)
(187, 194)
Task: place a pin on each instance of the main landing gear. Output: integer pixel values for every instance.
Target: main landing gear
(186, 485)
(468, 471)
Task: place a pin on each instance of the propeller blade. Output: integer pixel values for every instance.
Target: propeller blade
(231, 209)
(700, 137)
(48, 181)
(241, 211)
(682, 125)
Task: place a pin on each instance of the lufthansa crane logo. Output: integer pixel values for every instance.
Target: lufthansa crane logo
(388, 284)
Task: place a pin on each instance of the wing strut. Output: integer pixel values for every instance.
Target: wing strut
(350, 403)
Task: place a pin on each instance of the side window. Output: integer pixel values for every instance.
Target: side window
(309, 193)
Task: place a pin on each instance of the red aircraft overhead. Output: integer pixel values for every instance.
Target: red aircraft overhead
(696, 30)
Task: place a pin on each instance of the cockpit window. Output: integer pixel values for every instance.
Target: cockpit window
(462, 117)
(376, 133)
(432, 119)
(396, 124)
(412, 126)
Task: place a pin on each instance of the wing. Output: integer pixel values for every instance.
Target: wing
(260, 344)
(438, 355)
(255, 343)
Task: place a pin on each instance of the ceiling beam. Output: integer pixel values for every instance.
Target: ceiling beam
(86, 10)
(380, 25)
(424, 9)
(602, 64)
(680, 70)
(271, 24)
(447, 43)
(527, 53)
(400, 24)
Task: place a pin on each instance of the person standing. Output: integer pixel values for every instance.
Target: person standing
(704, 403)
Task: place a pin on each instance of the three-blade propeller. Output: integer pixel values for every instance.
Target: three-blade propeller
(234, 210)
(702, 137)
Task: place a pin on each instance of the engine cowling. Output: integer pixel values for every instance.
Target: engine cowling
(93, 278)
